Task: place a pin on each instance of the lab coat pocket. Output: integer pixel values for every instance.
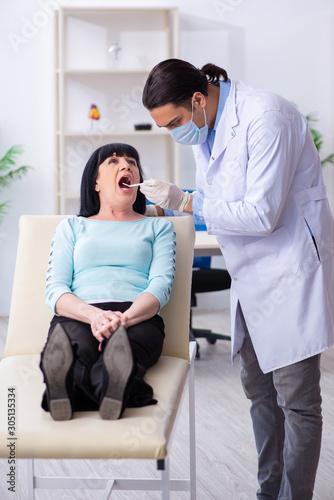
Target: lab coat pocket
(314, 207)
(273, 257)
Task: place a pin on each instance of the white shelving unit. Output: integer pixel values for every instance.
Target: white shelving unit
(86, 73)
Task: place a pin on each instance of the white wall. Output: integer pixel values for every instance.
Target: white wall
(284, 46)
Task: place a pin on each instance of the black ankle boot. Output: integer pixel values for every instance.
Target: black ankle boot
(57, 366)
(118, 367)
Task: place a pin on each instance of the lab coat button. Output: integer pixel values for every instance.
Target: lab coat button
(210, 183)
(232, 134)
(235, 279)
(212, 158)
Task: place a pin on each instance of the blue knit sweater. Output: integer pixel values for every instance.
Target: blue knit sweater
(105, 261)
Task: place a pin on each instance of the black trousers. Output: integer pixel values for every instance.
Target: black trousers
(146, 340)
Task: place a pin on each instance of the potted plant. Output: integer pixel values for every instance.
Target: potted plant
(9, 174)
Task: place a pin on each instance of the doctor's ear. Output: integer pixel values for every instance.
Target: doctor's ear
(199, 99)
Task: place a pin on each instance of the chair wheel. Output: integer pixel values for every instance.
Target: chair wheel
(211, 341)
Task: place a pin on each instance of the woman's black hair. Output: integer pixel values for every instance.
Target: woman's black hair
(89, 198)
(175, 81)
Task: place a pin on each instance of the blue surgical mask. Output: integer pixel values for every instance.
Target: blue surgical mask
(189, 133)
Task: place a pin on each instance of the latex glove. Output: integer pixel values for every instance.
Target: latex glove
(165, 194)
(151, 211)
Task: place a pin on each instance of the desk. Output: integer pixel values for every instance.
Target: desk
(206, 245)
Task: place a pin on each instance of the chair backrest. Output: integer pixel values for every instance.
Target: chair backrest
(29, 317)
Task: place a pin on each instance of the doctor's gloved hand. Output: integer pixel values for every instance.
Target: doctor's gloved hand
(151, 211)
(165, 194)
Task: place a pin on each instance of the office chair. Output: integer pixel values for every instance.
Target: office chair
(206, 279)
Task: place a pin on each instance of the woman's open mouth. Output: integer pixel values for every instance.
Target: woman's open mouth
(126, 179)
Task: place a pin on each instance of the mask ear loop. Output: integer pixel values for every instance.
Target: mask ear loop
(204, 116)
(192, 112)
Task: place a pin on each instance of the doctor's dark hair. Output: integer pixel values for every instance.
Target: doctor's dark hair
(89, 198)
(175, 81)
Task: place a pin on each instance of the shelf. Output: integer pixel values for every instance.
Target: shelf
(110, 133)
(85, 72)
(97, 72)
(100, 10)
(71, 195)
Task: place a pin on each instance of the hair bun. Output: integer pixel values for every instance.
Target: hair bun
(214, 73)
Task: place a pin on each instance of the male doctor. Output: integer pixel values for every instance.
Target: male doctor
(259, 189)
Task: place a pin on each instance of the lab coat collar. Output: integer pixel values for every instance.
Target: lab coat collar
(224, 132)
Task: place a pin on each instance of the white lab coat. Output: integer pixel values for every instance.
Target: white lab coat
(263, 195)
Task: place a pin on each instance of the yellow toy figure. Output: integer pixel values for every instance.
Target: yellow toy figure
(93, 115)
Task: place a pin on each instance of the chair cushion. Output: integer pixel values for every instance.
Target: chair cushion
(140, 433)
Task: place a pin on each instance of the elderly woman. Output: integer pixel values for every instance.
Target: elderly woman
(111, 270)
